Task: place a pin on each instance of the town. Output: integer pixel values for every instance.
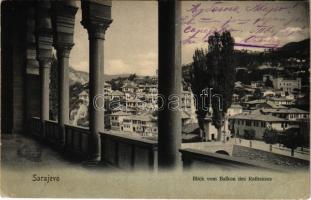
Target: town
(276, 101)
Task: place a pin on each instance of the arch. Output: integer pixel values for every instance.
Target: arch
(223, 152)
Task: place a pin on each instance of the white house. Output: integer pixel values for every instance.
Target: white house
(116, 120)
(258, 121)
(287, 85)
(144, 124)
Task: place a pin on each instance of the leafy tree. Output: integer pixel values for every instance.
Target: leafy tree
(224, 75)
(199, 78)
(271, 137)
(291, 138)
(132, 77)
(249, 135)
(242, 76)
(268, 82)
(214, 69)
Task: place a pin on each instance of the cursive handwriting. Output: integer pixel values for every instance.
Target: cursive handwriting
(267, 22)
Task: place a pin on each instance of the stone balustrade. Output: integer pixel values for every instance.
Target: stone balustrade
(52, 132)
(76, 140)
(129, 152)
(35, 126)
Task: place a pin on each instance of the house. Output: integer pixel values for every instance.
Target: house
(254, 104)
(144, 124)
(256, 84)
(261, 103)
(268, 93)
(282, 101)
(116, 95)
(148, 88)
(186, 100)
(258, 121)
(116, 120)
(135, 103)
(124, 109)
(287, 113)
(287, 85)
(234, 110)
(107, 88)
(130, 87)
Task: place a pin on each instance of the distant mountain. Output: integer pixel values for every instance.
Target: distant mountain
(108, 77)
(78, 76)
(298, 49)
(83, 77)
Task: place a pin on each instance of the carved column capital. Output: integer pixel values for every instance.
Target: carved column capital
(63, 51)
(63, 21)
(96, 18)
(31, 54)
(45, 63)
(43, 31)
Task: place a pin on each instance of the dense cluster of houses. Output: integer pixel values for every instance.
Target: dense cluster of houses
(275, 107)
(133, 109)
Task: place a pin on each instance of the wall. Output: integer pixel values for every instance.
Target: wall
(128, 152)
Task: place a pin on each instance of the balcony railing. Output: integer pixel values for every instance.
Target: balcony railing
(129, 152)
(125, 151)
(52, 132)
(77, 140)
(35, 126)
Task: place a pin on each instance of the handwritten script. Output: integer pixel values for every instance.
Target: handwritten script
(255, 24)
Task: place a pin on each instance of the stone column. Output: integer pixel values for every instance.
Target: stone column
(32, 102)
(63, 21)
(44, 55)
(169, 83)
(96, 18)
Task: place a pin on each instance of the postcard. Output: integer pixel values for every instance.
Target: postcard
(155, 99)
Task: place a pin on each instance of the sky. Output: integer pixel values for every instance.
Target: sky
(131, 42)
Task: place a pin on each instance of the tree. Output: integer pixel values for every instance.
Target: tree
(249, 135)
(214, 69)
(132, 77)
(291, 138)
(271, 137)
(224, 76)
(268, 82)
(242, 76)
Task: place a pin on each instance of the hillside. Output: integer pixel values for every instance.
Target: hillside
(299, 49)
(83, 77)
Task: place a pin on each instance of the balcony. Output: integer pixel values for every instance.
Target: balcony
(128, 152)
(117, 149)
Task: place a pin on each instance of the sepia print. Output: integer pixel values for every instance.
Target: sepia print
(155, 99)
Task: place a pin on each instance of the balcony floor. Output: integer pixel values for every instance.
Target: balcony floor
(21, 152)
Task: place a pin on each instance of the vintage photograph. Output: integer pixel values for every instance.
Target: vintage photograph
(155, 99)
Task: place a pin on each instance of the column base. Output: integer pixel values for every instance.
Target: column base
(92, 161)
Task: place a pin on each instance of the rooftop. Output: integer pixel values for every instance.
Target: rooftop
(258, 116)
(120, 113)
(143, 117)
(284, 110)
(116, 93)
